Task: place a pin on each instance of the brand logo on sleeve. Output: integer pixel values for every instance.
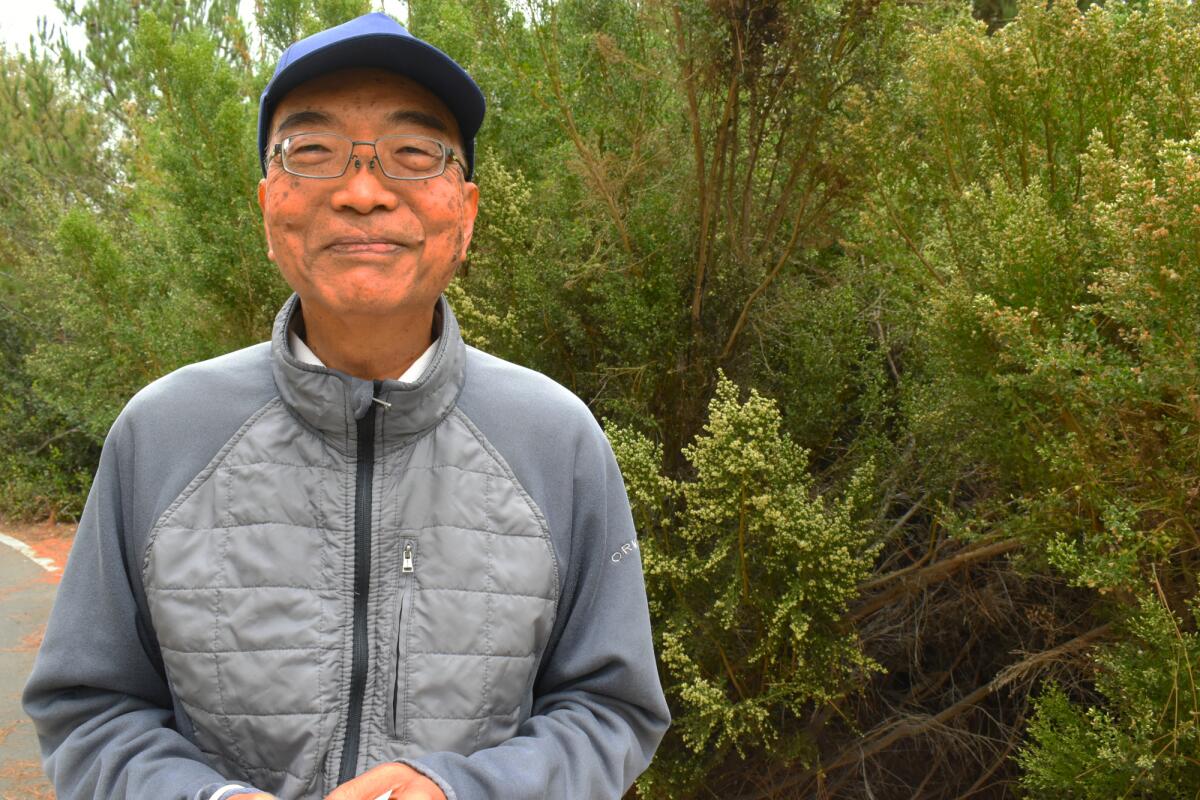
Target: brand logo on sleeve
(627, 549)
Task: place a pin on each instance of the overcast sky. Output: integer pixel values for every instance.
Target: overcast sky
(18, 18)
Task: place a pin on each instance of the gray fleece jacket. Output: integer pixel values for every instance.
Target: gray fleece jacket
(285, 576)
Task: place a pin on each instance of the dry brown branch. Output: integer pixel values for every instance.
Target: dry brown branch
(884, 737)
(783, 202)
(913, 580)
(1000, 760)
(900, 523)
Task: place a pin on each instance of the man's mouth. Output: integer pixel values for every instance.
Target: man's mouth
(364, 244)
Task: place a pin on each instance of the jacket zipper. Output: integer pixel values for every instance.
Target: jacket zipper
(407, 570)
(364, 477)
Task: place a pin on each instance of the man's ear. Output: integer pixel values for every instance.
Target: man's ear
(470, 209)
(262, 206)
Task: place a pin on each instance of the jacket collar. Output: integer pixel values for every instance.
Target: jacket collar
(331, 401)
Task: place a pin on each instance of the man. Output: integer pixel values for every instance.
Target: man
(363, 560)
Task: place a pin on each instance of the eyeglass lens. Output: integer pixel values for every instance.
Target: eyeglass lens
(326, 155)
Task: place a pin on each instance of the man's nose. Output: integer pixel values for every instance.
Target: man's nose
(364, 187)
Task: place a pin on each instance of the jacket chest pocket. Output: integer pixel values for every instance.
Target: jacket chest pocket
(466, 649)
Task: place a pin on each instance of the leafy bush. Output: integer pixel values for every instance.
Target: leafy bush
(750, 573)
(1142, 741)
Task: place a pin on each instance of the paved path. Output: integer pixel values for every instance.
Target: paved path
(27, 584)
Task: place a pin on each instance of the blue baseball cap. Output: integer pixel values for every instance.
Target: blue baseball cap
(376, 40)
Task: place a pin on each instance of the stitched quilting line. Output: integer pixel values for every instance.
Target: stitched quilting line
(235, 525)
(273, 771)
(313, 649)
(472, 718)
(468, 529)
(212, 713)
(347, 628)
(261, 524)
(340, 720)
(476, 655)
(271, 462)
(486, 693)
(321, 633)
(418, 529)
(456, 467)
(238, 756)
(223, 758)
(502, 592)
(379, 644)
(178, 589)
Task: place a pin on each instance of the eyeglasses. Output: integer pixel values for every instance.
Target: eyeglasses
(327, 155)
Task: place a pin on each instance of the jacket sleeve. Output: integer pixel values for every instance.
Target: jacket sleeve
(598, 712)
(97, 694)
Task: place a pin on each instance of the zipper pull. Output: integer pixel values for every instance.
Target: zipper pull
(375, 398)
(407, 564)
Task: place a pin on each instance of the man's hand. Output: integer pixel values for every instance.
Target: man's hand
(404, 783)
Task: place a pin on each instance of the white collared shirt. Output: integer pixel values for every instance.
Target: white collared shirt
(412, 374)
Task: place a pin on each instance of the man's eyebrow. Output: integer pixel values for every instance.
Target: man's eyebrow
(417, 118)
(300, 119)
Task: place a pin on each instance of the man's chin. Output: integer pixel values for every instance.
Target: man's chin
(366, 304)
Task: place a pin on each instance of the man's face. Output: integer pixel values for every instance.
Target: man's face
(366, 244)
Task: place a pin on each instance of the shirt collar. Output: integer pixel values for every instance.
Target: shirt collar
(305, 355)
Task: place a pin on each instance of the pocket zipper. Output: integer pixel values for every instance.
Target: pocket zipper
(407, 576)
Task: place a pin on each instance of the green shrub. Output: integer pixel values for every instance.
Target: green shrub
(750, 571)
(1143, 739)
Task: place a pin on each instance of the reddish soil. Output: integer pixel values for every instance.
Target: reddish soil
(34, 532)
(23, 780)
(50, 540)
(16, 588)
(29, 643)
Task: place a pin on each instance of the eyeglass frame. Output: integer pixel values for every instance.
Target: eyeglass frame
(448, 155)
